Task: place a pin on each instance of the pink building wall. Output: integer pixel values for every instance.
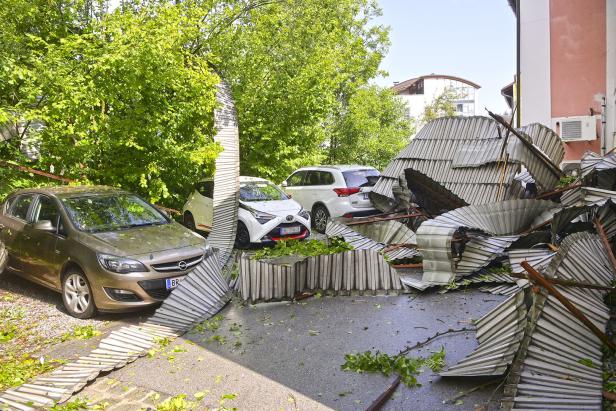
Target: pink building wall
(577, 63)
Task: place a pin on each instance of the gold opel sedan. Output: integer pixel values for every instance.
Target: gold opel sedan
(102, 248)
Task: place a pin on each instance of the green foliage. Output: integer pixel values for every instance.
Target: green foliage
(293, 66)
(371, 130)
(609, 386)
(304, 248)
(213, 324)
(587, 362)
(176, 403)
(81, 332)
(126, 98)
(9, 323)
(408, 368)
(74, 405)
(565, 181)
(17, 370)
(436, 361)
(500, 269)
(442, 105)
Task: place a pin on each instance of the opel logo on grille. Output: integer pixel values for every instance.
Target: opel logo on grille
(183, 266)
(289, 218)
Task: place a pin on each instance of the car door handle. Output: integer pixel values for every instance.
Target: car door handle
(26, 237)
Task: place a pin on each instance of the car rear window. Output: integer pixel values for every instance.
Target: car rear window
(361, 178)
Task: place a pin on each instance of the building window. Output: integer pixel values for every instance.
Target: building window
(417, 87)
(460, 108)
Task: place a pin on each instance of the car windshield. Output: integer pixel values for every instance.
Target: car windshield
(261, 191)
(361, 178)
(111, 212)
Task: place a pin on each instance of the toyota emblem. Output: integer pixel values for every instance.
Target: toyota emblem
(183, 266)
(289, 218)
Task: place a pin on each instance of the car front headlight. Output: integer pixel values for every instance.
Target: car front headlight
(120, 265)
(304, 214)
(262, 217)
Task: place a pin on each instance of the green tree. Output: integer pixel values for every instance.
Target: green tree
(124, 102)
(293, 65)
(442, 105)
(371, 131)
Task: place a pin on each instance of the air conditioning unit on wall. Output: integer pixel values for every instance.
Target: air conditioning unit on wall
(579, 128)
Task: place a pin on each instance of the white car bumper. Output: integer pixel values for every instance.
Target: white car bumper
(280, 228)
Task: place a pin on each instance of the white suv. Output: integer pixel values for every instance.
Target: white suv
(333, 191)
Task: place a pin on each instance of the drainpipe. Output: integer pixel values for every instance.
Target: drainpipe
(517, 75)
(603, 125)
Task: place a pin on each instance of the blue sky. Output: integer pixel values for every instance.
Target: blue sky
(473, 39)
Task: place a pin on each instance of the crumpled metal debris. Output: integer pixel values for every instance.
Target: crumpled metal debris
(456, 161)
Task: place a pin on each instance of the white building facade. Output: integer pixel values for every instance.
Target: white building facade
(421, 91)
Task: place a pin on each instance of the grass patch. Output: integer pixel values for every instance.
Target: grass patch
(307, 248)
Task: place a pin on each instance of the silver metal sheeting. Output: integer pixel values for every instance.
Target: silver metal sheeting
(462, 154)
(199, 296)
(357, 270)
(591, 161)
(374, 236)
(226, 177)
(548, 373)
(500, 221)
(499, 334)
(585, 196)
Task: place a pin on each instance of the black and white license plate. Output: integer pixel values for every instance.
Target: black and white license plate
(290, 230)
(172, 283)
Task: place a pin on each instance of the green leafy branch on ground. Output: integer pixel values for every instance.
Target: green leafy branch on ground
(307, 248)
(408, 368)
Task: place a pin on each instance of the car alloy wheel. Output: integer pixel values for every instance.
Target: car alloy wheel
(77, 295)
(320, 217)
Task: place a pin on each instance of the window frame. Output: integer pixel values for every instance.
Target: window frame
(301, 181)
(9, 212)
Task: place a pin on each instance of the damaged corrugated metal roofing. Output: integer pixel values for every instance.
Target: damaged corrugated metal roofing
(499, 225)
(559, 367)
(462, 155)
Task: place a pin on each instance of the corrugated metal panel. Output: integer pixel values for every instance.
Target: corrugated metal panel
(200, 295)
(546, 140)
(362, 270)
(226, 178)
(499, 333)
(462, 153)
(500, 220)
(395, 231)
(591, 161)
(548, 373)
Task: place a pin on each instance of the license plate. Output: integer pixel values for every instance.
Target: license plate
(290, 230)
(172, 283)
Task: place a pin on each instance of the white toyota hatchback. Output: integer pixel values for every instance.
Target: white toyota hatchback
(266, 213)
(333, 191)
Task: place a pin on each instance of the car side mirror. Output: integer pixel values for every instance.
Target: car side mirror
(44, 225)
(284, 183)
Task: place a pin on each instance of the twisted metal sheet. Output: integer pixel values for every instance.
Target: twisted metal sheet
(548, 372)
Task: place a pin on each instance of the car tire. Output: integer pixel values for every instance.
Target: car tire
(189, 221)
(320, 216)
(4, 258)
(77, 295)
(242, 237)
